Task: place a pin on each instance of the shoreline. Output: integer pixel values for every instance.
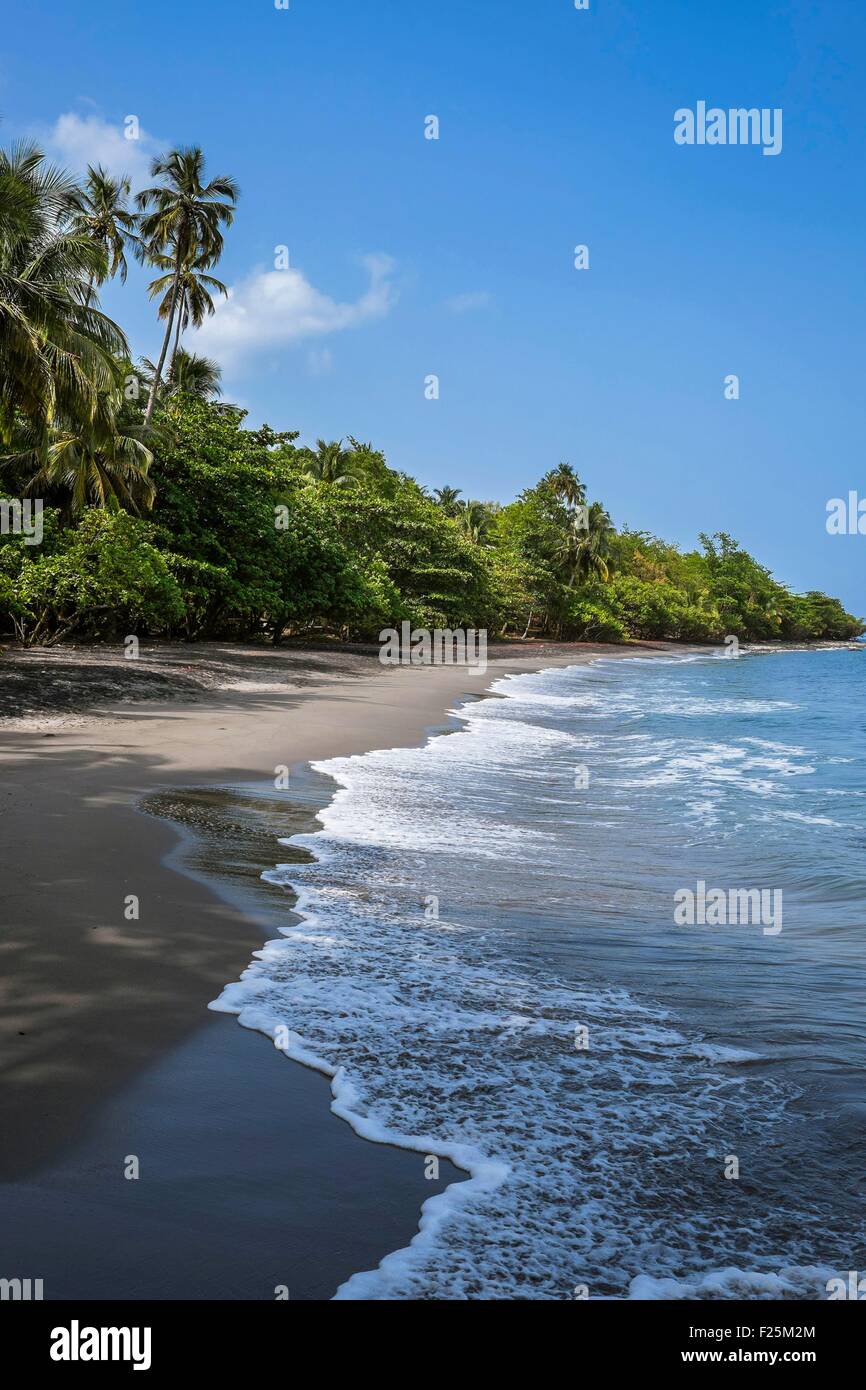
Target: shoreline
(276, 1002)
(96, 1005)
(95, 1056)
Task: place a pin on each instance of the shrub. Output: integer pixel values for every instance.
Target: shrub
(103, 579)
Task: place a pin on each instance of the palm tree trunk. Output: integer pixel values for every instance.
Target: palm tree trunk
(154, 385)
(170, 372)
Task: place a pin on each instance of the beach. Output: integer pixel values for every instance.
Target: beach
(246, 1182)
(493, 963)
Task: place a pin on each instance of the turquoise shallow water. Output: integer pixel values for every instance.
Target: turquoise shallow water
(489, 963)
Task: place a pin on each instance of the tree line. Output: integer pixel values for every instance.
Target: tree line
(165, 516)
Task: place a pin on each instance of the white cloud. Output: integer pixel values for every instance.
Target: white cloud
(465, 303)
(277, 308)
(76, 141)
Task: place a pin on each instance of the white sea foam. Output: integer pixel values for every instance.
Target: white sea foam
(718, 1052)
(802, 818)
(797, 1282)
(444, 1037)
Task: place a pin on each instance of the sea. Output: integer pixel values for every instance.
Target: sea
(483, 952)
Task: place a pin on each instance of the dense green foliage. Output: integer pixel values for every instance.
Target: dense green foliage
(164, 516)
(101, 578)
(244, 538)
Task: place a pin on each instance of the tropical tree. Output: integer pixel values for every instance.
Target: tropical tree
(593, 548)
(448, 498)
(374, 469)
(194, 375)
(475, 520)
(564, 483)
(92, 462)
(101, 468)
(569, 517)
(188, 298)
(182, 218)
(57, 352)
(103, 215)
(332, 464)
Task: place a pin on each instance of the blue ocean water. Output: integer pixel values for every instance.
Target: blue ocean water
(487, 962)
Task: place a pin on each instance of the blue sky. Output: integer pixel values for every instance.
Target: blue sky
(455, 257)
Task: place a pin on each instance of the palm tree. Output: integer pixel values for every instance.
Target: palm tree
(448, 498)
(194, 375)
(332, 464)
(592, 551)
(57, 352)
(93, 462)
(103, 215)
(183, 218)
(475, 521)
(190, 375)
(98, 470)
(564, 483)
(191, 293)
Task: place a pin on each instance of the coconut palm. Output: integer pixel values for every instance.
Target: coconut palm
(57, 352)
(564, 483)
(448, 498)
(103, 215)
(195, 375)
(183, 218)
(92, 462)
(475, 521)
(332, 464)
(98, 470)
(189, 297)
(191, 375)
(594, 545)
